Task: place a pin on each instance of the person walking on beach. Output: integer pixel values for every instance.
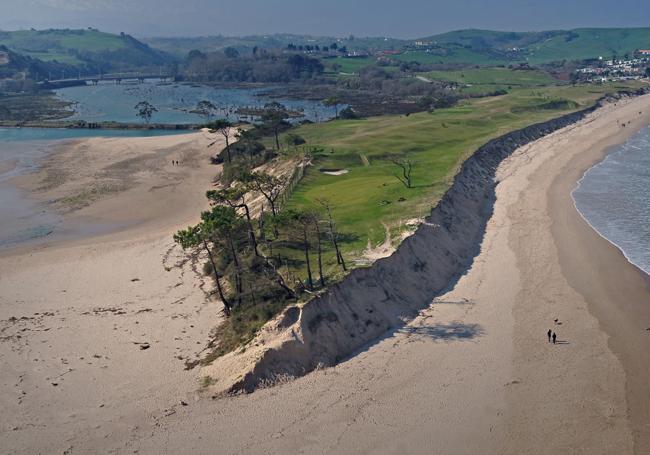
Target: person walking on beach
(554, 337)
(549, 335)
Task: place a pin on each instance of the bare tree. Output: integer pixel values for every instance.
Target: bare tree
(332, 232)
(319, 248)
(270, 186)
(274, 118)
(301, 223)
(223, 127)
(248, 139)
(198, 236)
(236, 198)
(305, 229)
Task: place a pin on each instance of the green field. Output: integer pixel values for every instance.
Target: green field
(348, 65)
(494, 76)
(480, 80)
(590, 43)
(60, 45)
(368, 198)
(487, 47)
(453, 55)
(88, 48)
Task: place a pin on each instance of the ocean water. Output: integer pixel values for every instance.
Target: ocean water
(23, 219)
(614, 197)
(115, 102)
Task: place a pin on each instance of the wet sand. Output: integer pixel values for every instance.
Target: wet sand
(618, 292)
(473, 373)
(95, 332)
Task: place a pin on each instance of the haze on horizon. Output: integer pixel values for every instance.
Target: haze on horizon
(412, 19)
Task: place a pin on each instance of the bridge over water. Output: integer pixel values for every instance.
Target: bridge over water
(118, 78)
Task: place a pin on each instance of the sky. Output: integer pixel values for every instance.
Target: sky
(395, 18)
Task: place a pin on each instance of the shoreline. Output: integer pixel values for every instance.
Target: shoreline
(92, 184)
(612, 242)
(428, 262)
(473, 372)
(617, 290)
(95, 331)
(83, 125)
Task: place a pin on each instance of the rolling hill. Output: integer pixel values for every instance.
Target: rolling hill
(90, 50)
(590, 43)
(13, 64)
(472, 46)
(540, 47)
(181, 46)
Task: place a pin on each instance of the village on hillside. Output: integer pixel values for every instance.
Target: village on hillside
(628, 68)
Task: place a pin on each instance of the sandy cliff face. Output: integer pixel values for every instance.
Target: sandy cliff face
(371, 301)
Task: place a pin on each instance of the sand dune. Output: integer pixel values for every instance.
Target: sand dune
(473, 373)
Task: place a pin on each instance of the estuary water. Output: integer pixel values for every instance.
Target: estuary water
(109, 101)
(614, 197)
(21, 218)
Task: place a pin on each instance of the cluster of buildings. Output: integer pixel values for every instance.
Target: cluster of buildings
(600, 70)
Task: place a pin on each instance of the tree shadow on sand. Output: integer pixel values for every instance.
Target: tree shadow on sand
(445, 332)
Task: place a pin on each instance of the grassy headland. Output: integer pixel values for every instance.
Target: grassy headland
(369, 197)
(353, 167)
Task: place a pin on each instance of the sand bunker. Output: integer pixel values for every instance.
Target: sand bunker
(334, 171)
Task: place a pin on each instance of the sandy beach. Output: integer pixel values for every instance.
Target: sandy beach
(77, 315)
(94, 333)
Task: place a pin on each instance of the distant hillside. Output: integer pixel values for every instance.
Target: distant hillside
(180, 46)
(478, 47)
(489, 39)
(90, 50)
(590, 43)
(14, 65)
(543, 47)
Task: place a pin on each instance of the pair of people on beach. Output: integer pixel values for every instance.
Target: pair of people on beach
(175, 163)
(551, 336)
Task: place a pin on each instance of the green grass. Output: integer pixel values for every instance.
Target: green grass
(369, 200)
(59, 44)
(537, 47)
(590, 43)
(494, 76)
(482, 80)
(484, 39)
(452, 55)
(369, 197)
(487, 47)
(348, 67)
(83, 48)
